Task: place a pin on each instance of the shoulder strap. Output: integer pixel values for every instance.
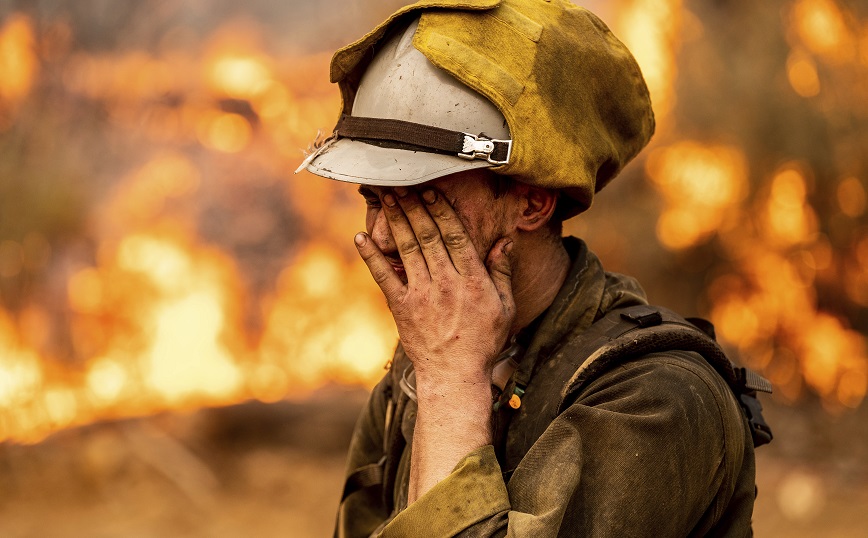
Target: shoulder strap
(617, 337)
(364, 477)
(382, 474)
(629, 333)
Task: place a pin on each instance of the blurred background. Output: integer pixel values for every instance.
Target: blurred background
(186, 334)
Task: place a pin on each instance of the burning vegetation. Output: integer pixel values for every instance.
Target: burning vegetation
(175, 268)
(159, 263)
(156, 252)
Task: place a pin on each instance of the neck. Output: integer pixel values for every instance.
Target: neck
(539, 272)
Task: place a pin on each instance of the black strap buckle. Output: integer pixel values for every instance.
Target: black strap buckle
(748, 380)
(753, 410)
(646, 317)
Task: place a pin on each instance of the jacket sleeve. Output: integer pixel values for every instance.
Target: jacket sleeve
(651, 448)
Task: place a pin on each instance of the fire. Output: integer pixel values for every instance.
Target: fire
(106, 380)
(773, 298)
(18, 61)
(700, 184)
(851, 197)
(856, 272)
(229, 133)
(21, 371)
(155, 319)
(828, 49)
(834, 352)
(822, 27)
(150, 310)
(766, 224)
(651, 29)
(234, 65)
(185, 356)
(776, 301)
(239, 77)
(342, 329)
(789, 219)
(171, 307)
(802, 74)
(174, 301)
(85, 291)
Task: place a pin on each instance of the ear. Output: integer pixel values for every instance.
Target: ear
(537, 207)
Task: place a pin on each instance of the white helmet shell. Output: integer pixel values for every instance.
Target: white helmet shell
(402, 84)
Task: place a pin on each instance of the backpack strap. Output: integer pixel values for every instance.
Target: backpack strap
(632, 332)
(619, 336)
(382, 474)
(367, 476)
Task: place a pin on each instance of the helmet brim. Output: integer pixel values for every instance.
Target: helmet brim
(358, 162)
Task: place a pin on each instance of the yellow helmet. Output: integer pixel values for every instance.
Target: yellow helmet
(575, 105)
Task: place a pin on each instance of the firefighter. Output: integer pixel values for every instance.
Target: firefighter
(474, 128)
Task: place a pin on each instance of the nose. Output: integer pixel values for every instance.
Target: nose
(382, 234)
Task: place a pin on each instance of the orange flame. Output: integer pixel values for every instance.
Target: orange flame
(802, 74)
(822, 27)
(239, 77)
(789, 220)
(774, 299)
(229, 133)
(155, 323)
(156, 319)
(350, 342)
(651, 29)
(700, 185)
(767, 305)
(18, 61)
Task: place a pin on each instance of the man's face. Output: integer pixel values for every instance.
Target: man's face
(469, 193)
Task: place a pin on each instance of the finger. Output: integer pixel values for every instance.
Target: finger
(382, 271)
(500, 269)
(461, 250)
(426, 231)
(405, 240)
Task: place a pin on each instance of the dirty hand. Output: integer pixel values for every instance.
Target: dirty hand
(454, 313)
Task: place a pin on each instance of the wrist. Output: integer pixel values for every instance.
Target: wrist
(464, 407)
(461, 416)
(463, 393)
(454, 418)
(460, 370)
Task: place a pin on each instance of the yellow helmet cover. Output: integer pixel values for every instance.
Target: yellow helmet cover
(575, 102)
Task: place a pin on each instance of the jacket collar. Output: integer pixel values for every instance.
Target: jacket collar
(587, 294)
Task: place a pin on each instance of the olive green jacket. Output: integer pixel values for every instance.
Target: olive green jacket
(655, 447)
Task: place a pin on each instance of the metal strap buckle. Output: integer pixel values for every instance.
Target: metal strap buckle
(476, 147)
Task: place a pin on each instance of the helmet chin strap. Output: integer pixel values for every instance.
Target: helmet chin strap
(419, 137)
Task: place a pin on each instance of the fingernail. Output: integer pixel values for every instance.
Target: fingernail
(429, 196)
(361, 239)
(389, 200)
(402, 191)
(507, 248)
